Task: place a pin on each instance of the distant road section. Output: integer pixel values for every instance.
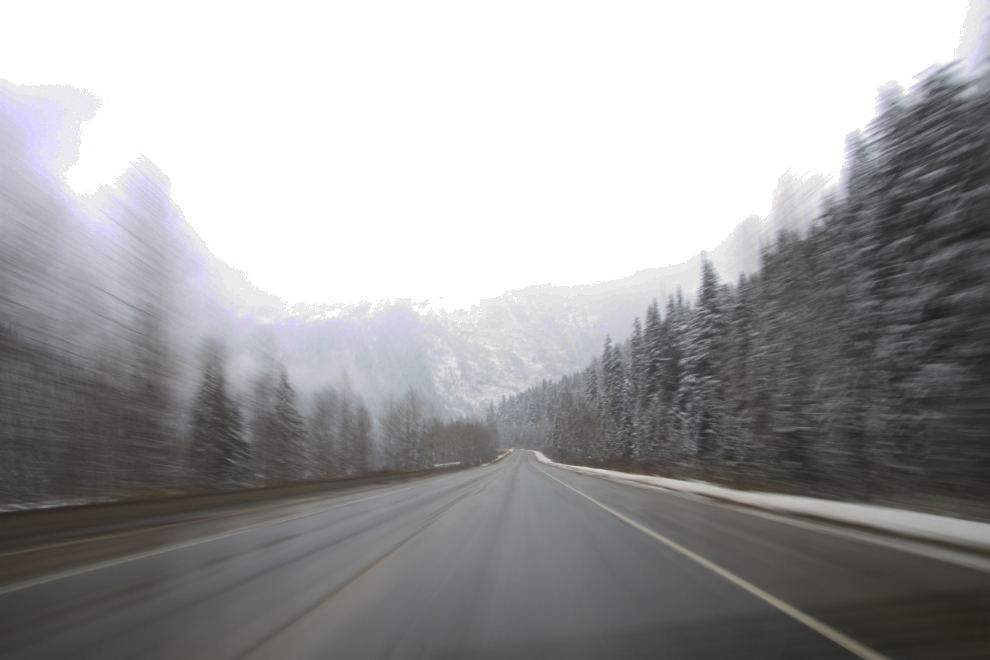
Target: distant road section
(517, 559)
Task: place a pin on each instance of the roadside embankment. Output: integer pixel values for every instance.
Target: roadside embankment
(925, 526)
(27, 527)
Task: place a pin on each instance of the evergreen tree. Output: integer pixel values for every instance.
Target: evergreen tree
(363, 426)
(617, 416)
(286, 433)
(738, 429)
(220, 455)
(701, 365)
(674, 395)
(638, 402)
(327, 451)
(637, 360)
(591, 390)
(652, 353)
(857, 359)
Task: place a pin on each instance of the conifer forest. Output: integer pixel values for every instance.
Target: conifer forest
(495, 330)
(854, 363)
(116, 351)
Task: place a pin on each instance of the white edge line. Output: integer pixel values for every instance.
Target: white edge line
(958, 555)
(824, 629)
(52, 577)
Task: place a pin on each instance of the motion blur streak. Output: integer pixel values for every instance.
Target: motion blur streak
(499, 561)
(128, 370)
(176, 546)
(853, 364)
(190, 468)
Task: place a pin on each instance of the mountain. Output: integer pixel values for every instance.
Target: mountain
(463, 359)
(119, 277)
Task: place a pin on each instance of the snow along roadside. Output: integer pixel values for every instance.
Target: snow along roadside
(503, 455)
(52, 504)
(926, 526)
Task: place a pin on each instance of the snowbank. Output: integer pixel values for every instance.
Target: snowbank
(926, 526)
(51, 504)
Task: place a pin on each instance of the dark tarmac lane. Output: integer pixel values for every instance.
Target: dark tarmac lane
(513, 560)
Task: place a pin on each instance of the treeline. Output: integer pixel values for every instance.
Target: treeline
(336, 436)
(856, 362)
(115, 369)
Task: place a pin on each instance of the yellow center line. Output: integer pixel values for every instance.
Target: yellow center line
(828, 631)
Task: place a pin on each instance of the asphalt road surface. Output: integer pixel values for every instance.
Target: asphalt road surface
(513, 560)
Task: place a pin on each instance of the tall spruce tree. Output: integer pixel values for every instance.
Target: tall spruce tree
(674, 395)
(220, 455)
(286, 433)
(702, 365)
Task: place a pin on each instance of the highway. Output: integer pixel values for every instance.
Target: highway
(517, 559)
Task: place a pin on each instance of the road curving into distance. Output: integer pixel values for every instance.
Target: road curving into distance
(517, 559)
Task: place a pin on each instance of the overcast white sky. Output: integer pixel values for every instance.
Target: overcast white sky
(340, 151)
